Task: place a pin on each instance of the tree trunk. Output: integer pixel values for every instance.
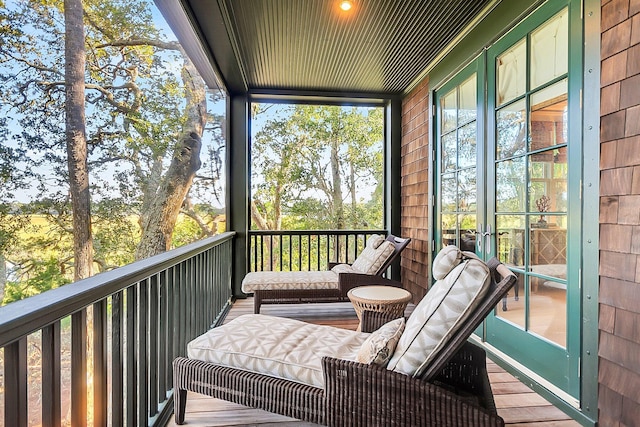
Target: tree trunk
(76, 139)
(160, 219)
(336, 182)
(3, 276)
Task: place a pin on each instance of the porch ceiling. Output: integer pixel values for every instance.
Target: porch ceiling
(380, 47)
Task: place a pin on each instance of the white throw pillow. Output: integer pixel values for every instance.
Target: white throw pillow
(379, 347)
(370, 260)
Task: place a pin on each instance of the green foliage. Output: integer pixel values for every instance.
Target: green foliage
(317, 167)
(43, 275)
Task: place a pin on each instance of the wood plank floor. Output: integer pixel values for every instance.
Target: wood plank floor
(517, 404)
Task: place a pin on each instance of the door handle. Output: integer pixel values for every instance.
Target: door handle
(487, 239)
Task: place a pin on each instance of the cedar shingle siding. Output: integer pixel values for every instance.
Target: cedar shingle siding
(619, 324)
(415, 215)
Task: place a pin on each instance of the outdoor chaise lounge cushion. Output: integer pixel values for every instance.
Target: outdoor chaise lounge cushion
(379, 347)
(272, 280)
(377, 251)
(374, 255)
(275, 346)
(445, 307)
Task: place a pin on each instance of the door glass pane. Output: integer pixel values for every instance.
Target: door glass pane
(511, 68)
(467, 111)
(449, 150)
(448, 192)
(467, 190)
(549, 116)
(548, 265)
(468, 226)
(510, 185)
(511, 129)
(448, 227)
(550, 49)
(547, 308)
(510, 231)
(449, 111)
(467, 145)
(548, 181)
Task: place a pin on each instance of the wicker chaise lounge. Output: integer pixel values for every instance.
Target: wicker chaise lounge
(434, 376)
(282, 287)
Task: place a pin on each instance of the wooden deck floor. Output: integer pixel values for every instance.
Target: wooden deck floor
(517, 404)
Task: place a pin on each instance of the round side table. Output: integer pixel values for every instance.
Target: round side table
(381, 299)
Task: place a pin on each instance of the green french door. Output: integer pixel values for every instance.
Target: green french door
(506, 186)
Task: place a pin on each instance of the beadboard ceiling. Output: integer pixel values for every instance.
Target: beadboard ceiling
(380, 46)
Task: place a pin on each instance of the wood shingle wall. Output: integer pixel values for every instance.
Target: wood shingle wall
(415, 215)
(619, 324)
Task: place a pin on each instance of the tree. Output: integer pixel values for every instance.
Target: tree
(145, 117)
(312, 165)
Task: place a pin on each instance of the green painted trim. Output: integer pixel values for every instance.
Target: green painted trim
(238, 187)
(590, 201)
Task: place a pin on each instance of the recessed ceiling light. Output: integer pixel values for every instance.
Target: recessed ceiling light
(346, 5)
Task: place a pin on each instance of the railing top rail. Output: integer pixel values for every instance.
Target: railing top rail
(32, 314)
(315, 232)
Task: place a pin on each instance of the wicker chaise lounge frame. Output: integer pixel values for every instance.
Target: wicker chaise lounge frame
(454, 391)
(347, 282)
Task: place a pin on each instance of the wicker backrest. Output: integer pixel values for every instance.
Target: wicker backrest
(399, 243)
(502, 279)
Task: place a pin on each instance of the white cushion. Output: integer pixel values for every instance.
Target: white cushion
(379, 347)
(344, 268)
(270, 280)
(275, 346)
(440, 313)
(370, 260)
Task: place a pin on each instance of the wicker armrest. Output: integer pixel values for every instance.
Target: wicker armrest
(373, 320)
(364, 395)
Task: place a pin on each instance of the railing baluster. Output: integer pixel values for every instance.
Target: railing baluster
(261, 254)
(79, 368)
(143, 374)
(100, 363)
(153, 345)
(163, 335)
(172, 340)
(117, 358)
(51, 410)
(132, 372)
(15, 383)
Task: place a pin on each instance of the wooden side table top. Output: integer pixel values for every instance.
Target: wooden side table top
(379, 294)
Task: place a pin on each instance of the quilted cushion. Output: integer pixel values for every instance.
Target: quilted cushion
(434, 320)
(371, 259)
(269, 280)
(275, 346)
(379, 347)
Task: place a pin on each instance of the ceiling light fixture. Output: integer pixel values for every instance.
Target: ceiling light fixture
(346, 5)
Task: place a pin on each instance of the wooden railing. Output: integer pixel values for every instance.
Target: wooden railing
(102, 347)
(303, 250)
